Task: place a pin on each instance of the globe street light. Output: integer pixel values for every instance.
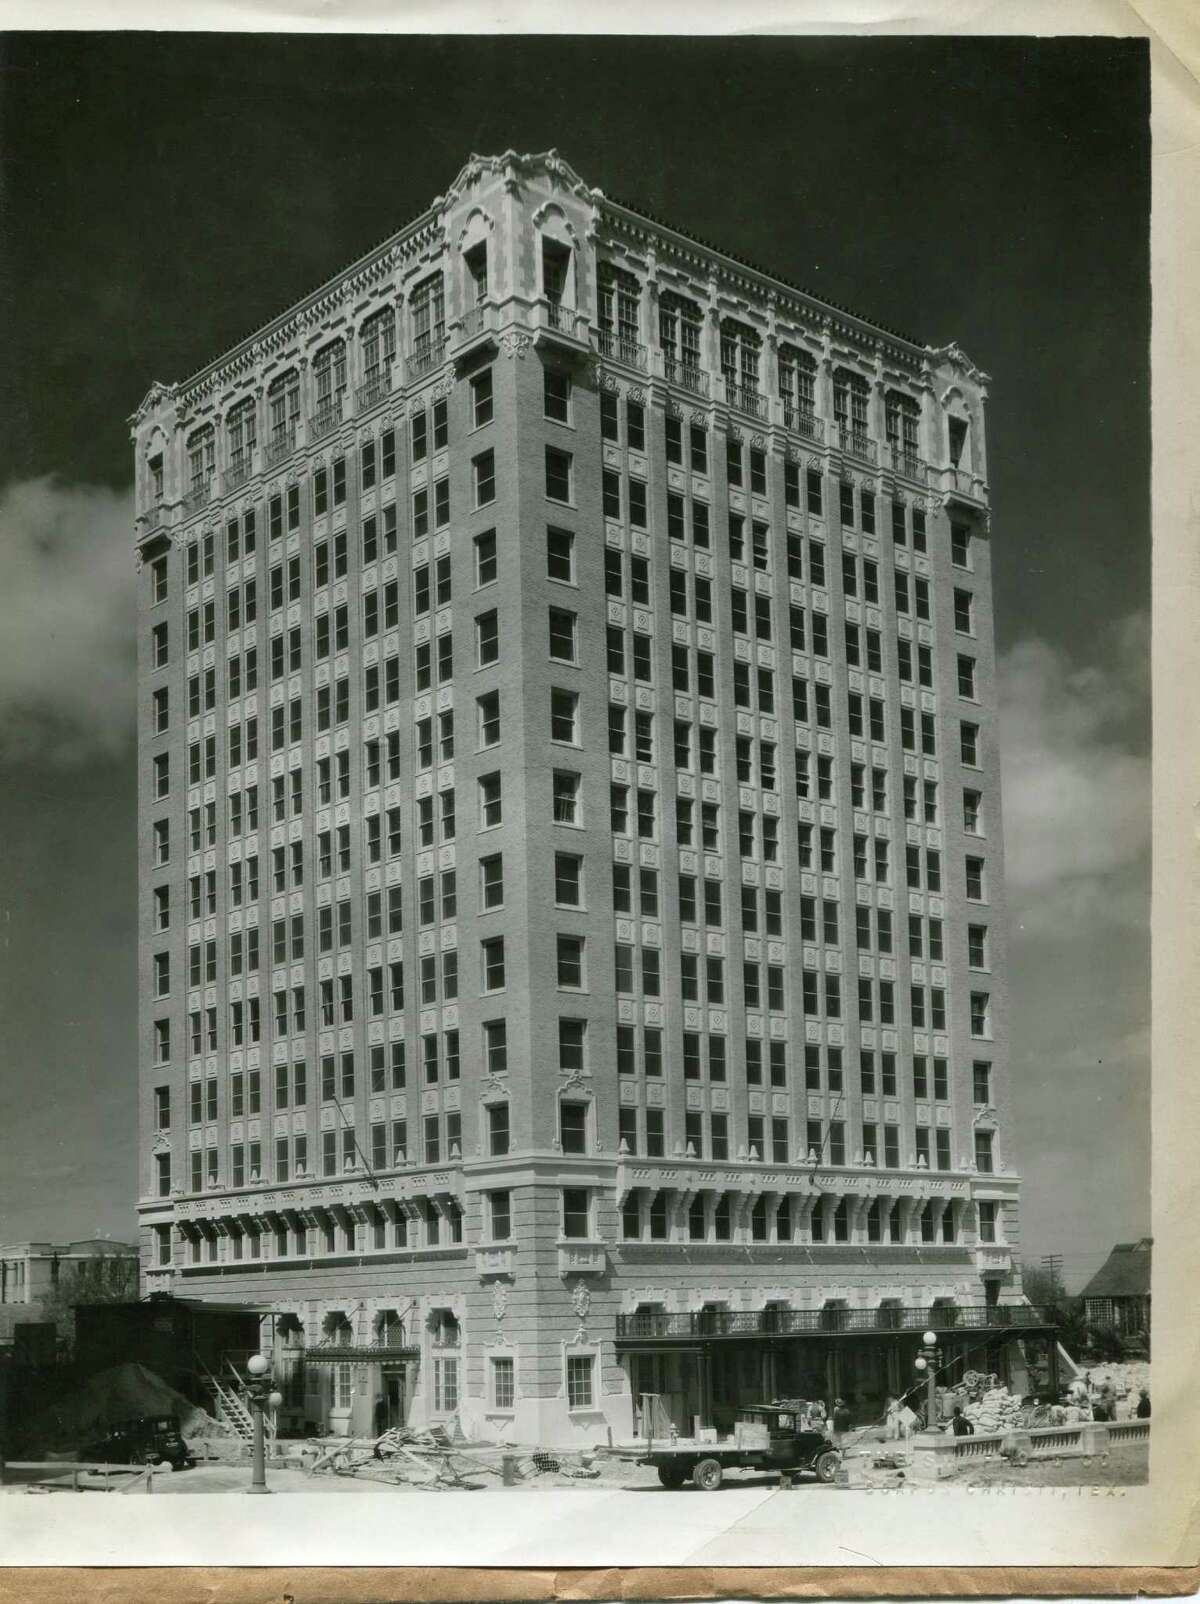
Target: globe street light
(925, 1365)
(261, 1397)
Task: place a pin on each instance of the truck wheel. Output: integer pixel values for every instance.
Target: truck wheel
(672, 1476)
(826, 1466)
(707, 1475)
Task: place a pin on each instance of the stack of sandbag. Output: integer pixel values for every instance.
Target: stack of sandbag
(995, 1410)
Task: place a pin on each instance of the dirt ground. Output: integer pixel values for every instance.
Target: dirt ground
(1125, 1465)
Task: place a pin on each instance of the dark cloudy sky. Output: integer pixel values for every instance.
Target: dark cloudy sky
(164, 195)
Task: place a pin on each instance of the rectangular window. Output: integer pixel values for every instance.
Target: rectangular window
(556, 395)
(558, 474)
(563, 635)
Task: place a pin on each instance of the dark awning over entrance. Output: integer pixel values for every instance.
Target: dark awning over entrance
(351, 1353)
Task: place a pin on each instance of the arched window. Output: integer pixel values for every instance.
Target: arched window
(241, 429)
(798, 388)
(378, 335)
(943, 1312)
(329, 374)
(202, 463)
(679, 336)
(620, 327)
(902, 416)
(834, 1315)
(851, 398)
(739, 362)
(283, 408)
(890, 1315)
(427, 312)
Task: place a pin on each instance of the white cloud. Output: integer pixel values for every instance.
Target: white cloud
(67, 643)
(1076, 794)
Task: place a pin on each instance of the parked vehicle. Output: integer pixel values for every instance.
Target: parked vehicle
(766, 1437)
(146, 1440)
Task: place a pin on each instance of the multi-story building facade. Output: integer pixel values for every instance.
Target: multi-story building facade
(572, 917)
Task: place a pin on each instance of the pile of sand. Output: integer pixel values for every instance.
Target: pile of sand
(121, 1393)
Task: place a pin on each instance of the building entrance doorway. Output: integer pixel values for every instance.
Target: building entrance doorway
(394, 1397)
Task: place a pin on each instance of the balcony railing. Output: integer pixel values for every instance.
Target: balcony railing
(905, 461)
(620, 349)
(856, 443)
(374, 388)
(238, 472)
(563, 319)
(426, 356)
(802, 421)
(796, 1322)
(198, 496)
(281, 444)
(326, 417)
(474, 320)
(745, 399)
(686, 375)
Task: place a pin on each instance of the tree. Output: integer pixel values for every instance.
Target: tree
(1066, 1312)
(103, 1278)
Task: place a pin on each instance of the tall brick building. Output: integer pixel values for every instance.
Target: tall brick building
(572, 900)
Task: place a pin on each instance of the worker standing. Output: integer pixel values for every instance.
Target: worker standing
(841, 1420)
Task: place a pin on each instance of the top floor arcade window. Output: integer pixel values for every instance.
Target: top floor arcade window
(240, 431)
(851, 394)
(202, 459)
(428, 312)
(902, 416)
(378, 344)
(739, 356)
(797, 380)
(619, 325)
(329, 371)
(679, 331)
(283, 405)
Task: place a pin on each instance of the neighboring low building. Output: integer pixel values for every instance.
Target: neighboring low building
(185, 1341)
(1117, 1298)
(32, 1272)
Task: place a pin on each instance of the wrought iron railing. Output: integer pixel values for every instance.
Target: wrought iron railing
(325, 418)
(788, 1322)
(237, 473)
(563, 319)
(907, 463)
(745, 399)
(474, 320)
(426, 356)
(198, 496)
(856, 443)
(374, 388)
(687, 375)
(802, 421)
(621, 349)
(281, 444)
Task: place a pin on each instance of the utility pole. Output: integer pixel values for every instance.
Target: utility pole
(1052, 1264)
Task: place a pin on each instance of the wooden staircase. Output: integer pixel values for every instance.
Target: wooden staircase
(232, 1409)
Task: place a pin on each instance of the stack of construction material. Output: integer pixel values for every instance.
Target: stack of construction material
(124, 1392)
(994, 1410)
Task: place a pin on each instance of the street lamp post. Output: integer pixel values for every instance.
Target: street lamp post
(261, 1397)
(926, 1365)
